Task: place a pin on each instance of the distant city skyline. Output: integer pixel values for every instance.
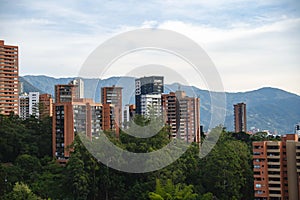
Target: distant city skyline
(253, 44)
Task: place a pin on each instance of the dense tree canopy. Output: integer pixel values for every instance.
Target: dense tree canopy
(27, 165)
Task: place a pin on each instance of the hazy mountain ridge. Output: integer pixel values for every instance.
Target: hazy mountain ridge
(267, 108)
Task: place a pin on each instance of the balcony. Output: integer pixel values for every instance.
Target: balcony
(274, 189)
(274, 170)
(273, 156)
(273, 150)
(270, 143)
(274, 182)
(274, 163)
(275, 195)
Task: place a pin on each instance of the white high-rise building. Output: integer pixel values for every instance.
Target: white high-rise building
(79, 85)
(126, 116)
(29, 105)
(151, 104)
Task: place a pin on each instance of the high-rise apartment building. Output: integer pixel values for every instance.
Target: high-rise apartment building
(171, 115)
(108, 118)
(151, 105)
(79, 116)
(182, 114)
(112, 96)
(79, 88)
(68, 118)
(240, 118)
(24, 106)
(128, 114)
(29, 105)
(152, 85)
(72, 115)
(46, 105)
(276, 168)
(9, 79)
(65, 93)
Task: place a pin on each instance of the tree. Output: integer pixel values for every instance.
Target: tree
(21, 191)
(50, 182)
(29, 166)
(227, 170)
(169, 191)
(77, 177)
(207, 196)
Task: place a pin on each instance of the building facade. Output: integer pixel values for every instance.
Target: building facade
(111, 98)
(45, 105)
(151, 105)
(79, 88)
(24, 107)
(65, 93)
(71, 116)
(128, 114)
(182, 114)
(80, 116)
(240, 118)
(277, 168)
(9, 79)
(152, 85)
(29, 105)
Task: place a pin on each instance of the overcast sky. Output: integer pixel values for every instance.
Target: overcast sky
(253, 43)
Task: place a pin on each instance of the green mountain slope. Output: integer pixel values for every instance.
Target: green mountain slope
(267, 108)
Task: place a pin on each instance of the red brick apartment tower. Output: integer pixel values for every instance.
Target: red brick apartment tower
(78, 116)
(65, 93)
(276, 168)
(240, 118)
(46, 105)
(9, 79)
(112, 96)
(170, 107)
(182, 114)
(63, 121)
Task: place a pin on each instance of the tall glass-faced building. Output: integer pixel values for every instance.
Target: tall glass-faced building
(152, 85)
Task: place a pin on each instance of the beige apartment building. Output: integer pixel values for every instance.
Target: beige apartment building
(9, 79)
(276, 168)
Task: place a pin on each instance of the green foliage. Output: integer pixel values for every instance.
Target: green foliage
(29, 167)
(207, 196)
(77, 177)
(169, 191)
(227, 170)
(49, 183)
(25, 153)
(31, 136)
(21, 191)
(263, 136)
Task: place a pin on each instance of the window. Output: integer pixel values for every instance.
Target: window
(258, 185)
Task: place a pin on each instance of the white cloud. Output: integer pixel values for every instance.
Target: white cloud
(249, 57)
(252, 43)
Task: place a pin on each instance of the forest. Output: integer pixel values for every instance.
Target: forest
(28, 170)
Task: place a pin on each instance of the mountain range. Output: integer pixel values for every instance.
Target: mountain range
(268, 108)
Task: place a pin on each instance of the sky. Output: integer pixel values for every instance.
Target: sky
(252, 43)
